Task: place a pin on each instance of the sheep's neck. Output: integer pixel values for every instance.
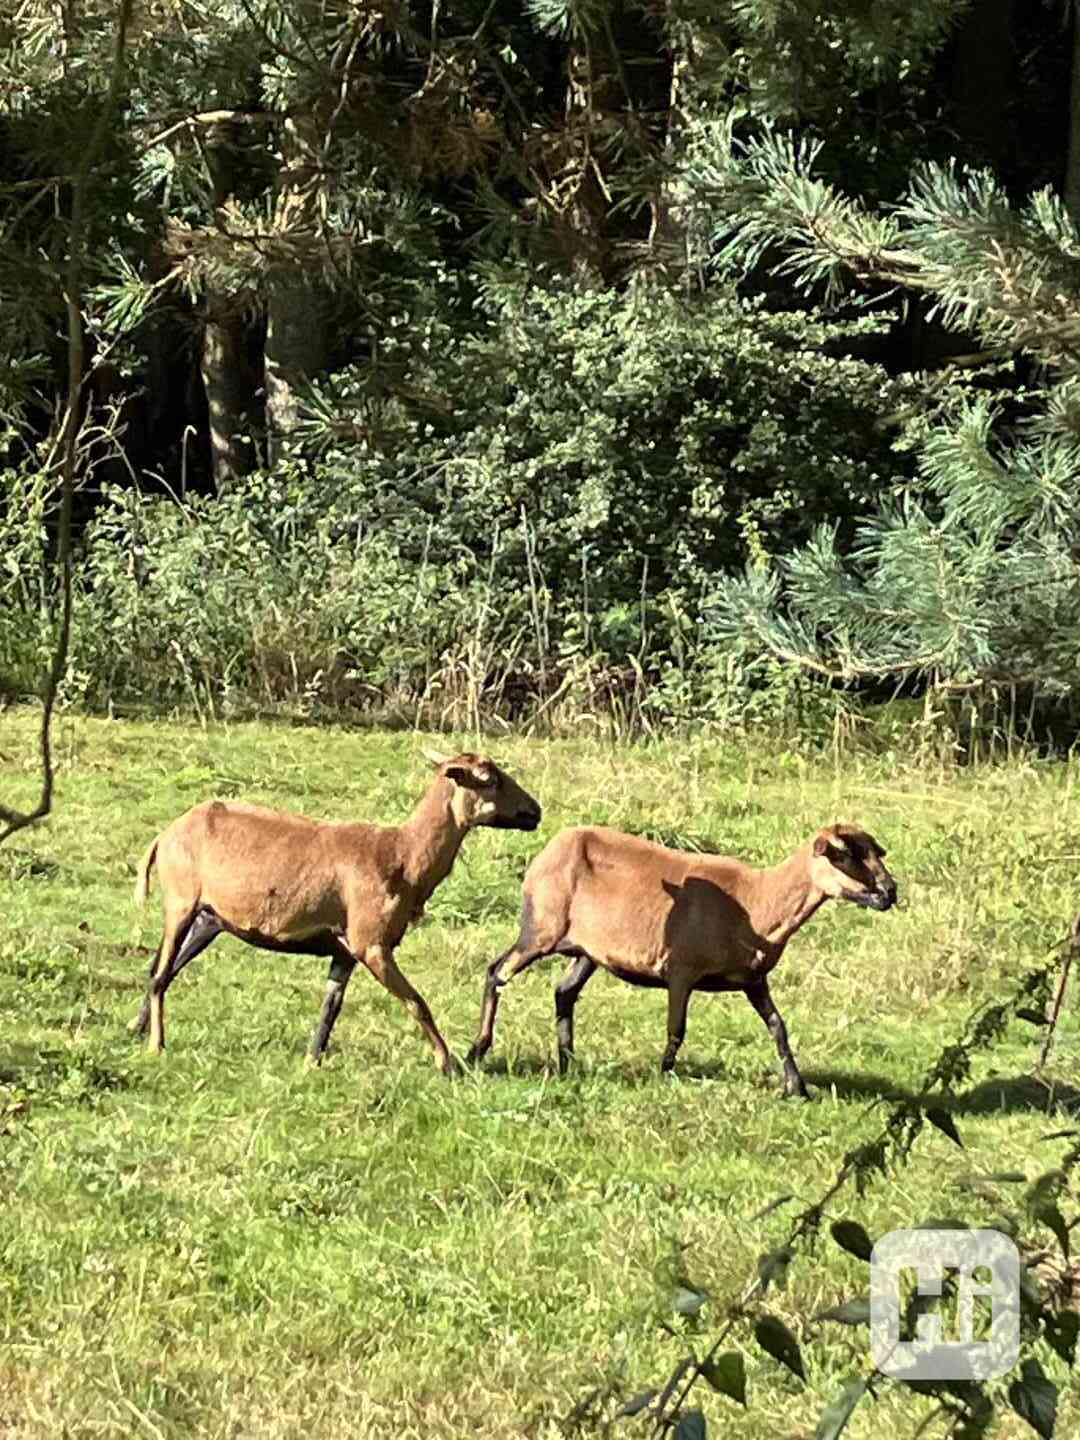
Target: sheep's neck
(431, 839)
(787, 899)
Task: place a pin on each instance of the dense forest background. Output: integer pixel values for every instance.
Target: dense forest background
(670, 360)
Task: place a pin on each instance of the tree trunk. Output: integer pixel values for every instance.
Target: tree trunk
(1072, 165)
(585, 206)
(229, 399)
(295, 351)
(669, 247)
(296, 337)
(226, 377)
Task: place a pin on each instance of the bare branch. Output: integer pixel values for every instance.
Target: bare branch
(14, 820)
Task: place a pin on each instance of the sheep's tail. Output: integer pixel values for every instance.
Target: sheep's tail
(142, 875)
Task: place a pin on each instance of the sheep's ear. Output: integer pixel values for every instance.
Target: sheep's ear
(433, 757)
(472, 777)
(828, 840)
(821, 844)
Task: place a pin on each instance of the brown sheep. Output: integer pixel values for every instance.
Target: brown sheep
(676, 921)
(306, 887)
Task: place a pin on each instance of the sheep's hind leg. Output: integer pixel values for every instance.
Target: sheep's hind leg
(141, 1023)
(510, 963)
(489, 1008)
(341, 968)
(178, 949)
(580, 972)
(527, 948)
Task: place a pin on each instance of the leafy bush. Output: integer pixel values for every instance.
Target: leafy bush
(23, 579)
(527, 516)
(644, 438)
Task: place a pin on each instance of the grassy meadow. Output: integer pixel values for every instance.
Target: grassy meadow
(223, 1242)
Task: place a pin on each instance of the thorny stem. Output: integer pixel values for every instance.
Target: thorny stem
(900, 1130)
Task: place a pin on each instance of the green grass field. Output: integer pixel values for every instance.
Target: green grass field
(223, 1242)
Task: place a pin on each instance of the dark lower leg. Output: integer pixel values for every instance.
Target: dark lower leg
(678, 1000)
(566, 997)
(500, 971)
(204, 928)
(762, 1002)
(489, 1008)
(141, 1023)
(341, 967)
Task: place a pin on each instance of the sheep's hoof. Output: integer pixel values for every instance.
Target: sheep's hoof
(475, 1055)
(450, 1068)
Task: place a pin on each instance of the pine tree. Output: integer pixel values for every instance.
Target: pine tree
(970, 579)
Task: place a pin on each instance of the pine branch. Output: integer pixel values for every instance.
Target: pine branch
(1013, 276)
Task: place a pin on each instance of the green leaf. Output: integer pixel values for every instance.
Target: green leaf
(687, 1301)
(979, 1411)
(1034, 1398)
(1061, 1330)
(777, 1340)
(1007, 1222)
(851, 1236)
(773, 1266)
(943, 1121)
(727, 1375)
(1045, 1189)
(1034, 1017)
(851, 1312)
(637, 1403)
(838, 1412)
(691, 1426)
(1049, 1215)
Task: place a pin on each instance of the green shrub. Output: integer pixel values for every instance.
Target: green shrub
(550, 500)
(24, 500)
(645, 439)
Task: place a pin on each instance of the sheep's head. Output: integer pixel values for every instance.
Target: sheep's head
(846, 863)
(484, 794)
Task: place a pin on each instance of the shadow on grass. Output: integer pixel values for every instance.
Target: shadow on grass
(637, 1073)
(1002, 1094)
(26, 865)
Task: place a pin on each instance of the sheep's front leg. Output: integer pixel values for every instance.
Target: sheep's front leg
(762, 1001)
(341, 968)
(382, 966)
(678, 998)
